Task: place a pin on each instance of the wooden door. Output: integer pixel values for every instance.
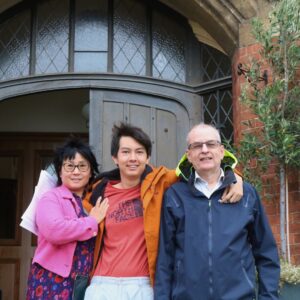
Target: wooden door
(165, 121)
(22, 156)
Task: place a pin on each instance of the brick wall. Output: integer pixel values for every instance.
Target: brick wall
(270, 193)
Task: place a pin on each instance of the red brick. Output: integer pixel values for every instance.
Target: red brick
(294, 199)
(273, 219)
(295, 217)
(293, 184)
(293, 204)
(296, 260)
(295, 249)
(296, 238)
(242, 51)
(271, 210)
(294, 227)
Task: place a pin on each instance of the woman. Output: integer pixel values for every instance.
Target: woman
(64, 254)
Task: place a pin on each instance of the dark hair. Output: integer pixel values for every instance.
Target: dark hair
(129, 130)
(68, 151)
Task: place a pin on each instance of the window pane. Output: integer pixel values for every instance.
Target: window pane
(218, 111)
(52, 37)
(91, 25)
(90, 62)
(168, 48)
(15, 46)
(129, 40)
(215, 64)
(8, 196)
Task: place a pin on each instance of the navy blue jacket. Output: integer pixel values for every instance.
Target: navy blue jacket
(211, 251)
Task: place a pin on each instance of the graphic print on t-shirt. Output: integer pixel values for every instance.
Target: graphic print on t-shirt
(126, 210)
(124, 252)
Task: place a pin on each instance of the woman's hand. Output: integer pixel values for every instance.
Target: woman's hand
(234, 192)
(98, 212)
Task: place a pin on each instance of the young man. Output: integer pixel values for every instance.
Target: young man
(209, 250)
(126, 247)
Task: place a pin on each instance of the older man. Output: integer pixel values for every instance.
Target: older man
(208, 250)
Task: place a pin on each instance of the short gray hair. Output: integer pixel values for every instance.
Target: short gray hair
(203, 125)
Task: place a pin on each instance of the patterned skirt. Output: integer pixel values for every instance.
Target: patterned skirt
(44, 284)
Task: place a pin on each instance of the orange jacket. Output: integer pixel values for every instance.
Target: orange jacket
(153, 186)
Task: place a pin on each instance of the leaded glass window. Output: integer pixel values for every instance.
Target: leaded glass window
(122, 36)
(168, 48)
(214, 64)
(218, 111)
(15, 46)
(52, 37)
(129, 37)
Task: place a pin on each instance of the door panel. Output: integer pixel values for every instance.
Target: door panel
(165, 121)
(166, 139)
(9, 278)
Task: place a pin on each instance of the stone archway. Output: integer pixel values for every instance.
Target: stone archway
(218, 20)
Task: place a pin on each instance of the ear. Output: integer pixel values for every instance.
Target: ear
(222, 150)
(148, 159)
(115, 160)
(187, 152)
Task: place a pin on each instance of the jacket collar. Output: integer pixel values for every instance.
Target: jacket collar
(65, 192)
(229, 178)
(184, 169)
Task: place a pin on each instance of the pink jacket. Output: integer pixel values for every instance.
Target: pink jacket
(59, 229)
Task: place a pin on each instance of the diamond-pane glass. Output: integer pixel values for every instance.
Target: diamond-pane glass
(52, 41)
(168, 48)
(215, 64)
(218, 111)
(129, 37)
(15, 46)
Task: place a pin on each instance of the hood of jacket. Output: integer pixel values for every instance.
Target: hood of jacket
(185, 169)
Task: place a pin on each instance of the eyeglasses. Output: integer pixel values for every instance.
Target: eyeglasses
(199, 145)
(82, 167)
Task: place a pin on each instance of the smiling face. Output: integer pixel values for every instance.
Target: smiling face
(76, 180)
(205, 151)
(131, 159)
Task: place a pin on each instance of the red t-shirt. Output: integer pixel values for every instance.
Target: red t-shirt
(124, 252)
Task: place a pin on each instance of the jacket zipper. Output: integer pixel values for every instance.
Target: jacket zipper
(210, 262)
(178, 264)
(246, 276)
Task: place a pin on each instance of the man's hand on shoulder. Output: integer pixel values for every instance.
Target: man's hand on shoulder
(234, 192)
